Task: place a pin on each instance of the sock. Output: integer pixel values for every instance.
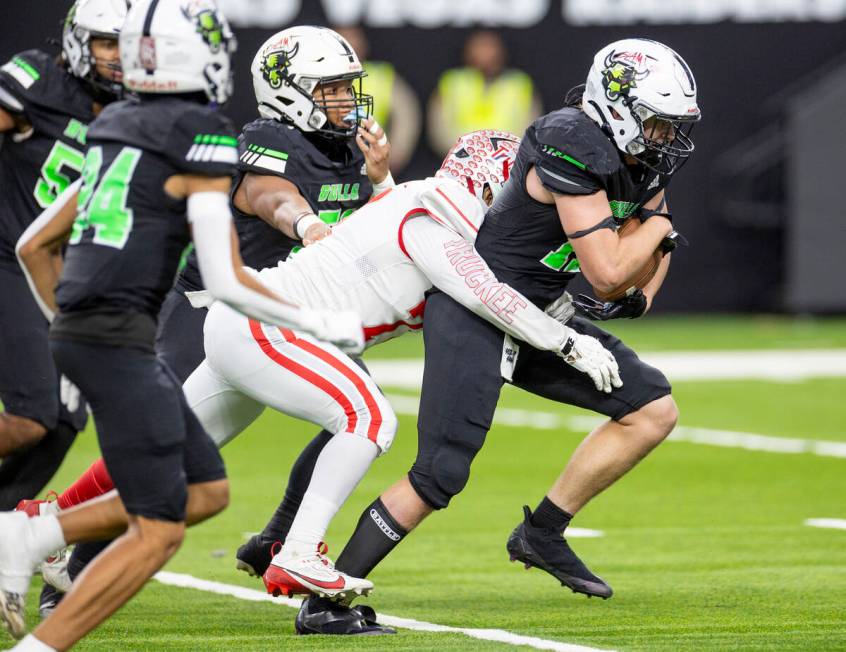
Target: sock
(376, 534)
(46, 535)
(32, 644)
(94, 482)
(280, 523)
(82, 555)
(341, 465)
(25, 473)
(548, 515)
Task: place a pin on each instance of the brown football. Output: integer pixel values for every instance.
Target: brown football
(641, 276)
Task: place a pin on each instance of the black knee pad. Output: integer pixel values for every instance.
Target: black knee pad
(444, 474)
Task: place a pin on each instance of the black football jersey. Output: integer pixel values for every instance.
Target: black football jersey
(330, 175)
(36, 166)
(523, 240)
(129, 234)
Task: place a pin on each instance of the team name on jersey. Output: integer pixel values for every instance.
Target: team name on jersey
(338, 192)
(501, 299)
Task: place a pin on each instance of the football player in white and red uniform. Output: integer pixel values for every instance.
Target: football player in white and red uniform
(379, 264)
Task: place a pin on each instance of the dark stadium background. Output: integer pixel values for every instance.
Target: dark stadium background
(756, 201)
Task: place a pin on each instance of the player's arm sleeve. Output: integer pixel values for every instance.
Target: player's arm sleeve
(217, 254)
(50, 227)
(17, 76)
(564, 167)
(211, 221)
(454, 266)
(203, 142)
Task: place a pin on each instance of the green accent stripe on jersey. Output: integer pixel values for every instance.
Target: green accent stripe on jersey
(282, 156)
(28, 69)
(214, 139)
(559, 154)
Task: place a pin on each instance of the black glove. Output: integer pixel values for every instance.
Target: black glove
(632, 306)
(671, 241)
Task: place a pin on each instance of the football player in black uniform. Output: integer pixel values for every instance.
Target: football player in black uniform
(45, 107)
(298, 173)
(580, 171)
(150, 163)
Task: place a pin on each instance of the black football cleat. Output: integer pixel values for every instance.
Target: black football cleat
(323, 616)
(254, 556)
(548, 550)
(49, 600)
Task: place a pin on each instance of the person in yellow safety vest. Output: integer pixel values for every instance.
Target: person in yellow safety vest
(484, 94)
(395, 106)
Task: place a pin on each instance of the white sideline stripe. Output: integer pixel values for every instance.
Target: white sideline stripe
(583, 533)
(778, 365)
(251, 595)
(726, 438)
(831, 523)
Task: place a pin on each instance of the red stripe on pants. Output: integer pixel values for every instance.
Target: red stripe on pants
(304, 372)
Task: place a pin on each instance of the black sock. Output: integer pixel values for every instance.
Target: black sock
(82, 555)
(280, 523)
(376, 534)
(25, 473)
(548, 515)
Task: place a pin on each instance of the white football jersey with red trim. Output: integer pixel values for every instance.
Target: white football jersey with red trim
(363, 266)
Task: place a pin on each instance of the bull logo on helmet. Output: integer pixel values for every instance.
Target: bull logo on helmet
(275, 62)
(208, 24)
(622, 72)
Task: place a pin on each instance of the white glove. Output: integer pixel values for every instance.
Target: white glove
(584, 353)
(68, 394)
(562, 309)
(343, 329)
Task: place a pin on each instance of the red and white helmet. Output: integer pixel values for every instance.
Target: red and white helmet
(481, 159)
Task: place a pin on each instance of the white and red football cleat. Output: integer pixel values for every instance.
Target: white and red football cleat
(313, 574)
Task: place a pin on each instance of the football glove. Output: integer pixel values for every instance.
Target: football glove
(562, 309)
(631, 307)
(584, 353)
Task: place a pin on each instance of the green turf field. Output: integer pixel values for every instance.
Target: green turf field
(705, 546)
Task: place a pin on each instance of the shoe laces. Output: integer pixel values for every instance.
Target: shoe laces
(275, 549)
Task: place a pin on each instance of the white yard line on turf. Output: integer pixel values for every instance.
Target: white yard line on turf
(709, 437)
(776, 365)
(831, 523)
(251, 595)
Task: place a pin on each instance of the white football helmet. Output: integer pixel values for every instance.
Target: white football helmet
(89, 19)
(634, 80)
(291, 64)
(177, 46)
(480, 161)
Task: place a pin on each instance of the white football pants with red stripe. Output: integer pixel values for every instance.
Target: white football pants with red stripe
(250, 365)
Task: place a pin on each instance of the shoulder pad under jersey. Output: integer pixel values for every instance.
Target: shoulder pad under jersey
(203, 141)
(573, 155)
(33, 77)
(271, 147)
(451, 205)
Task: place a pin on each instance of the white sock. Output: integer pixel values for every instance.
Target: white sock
(46, 536)
(32, 644)
(340, 466)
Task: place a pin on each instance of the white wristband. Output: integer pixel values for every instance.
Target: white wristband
(304, 222)
(384, 184)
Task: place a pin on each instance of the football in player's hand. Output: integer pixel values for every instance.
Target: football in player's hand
(641, 276)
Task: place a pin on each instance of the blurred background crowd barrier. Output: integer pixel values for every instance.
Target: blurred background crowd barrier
(760, 199)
